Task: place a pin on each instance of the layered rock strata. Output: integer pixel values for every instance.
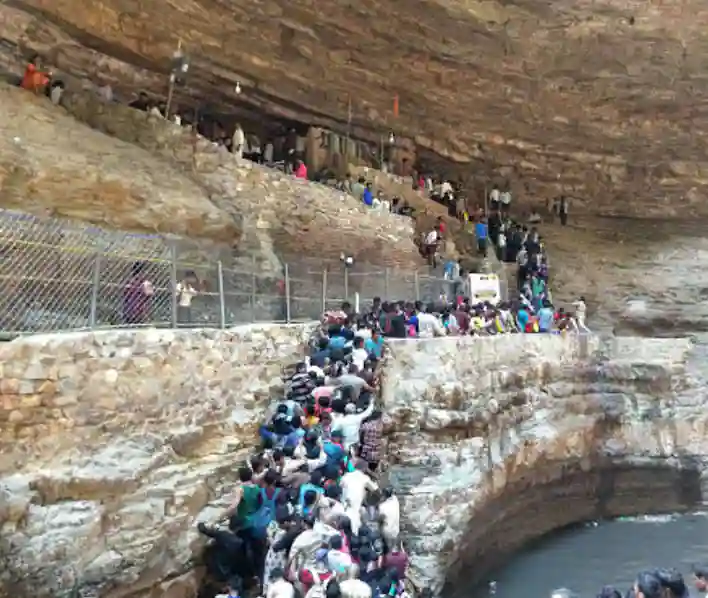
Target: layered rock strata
(498, 441)
(602, 100)
(114, 445)
(138, 172)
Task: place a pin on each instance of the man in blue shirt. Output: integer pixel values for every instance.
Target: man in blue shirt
(480, 231)
(545, 317)
(522, 319)
(368, 197)
(374, 345)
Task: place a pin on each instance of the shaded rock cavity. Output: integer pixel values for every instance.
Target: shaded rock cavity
(496, 442)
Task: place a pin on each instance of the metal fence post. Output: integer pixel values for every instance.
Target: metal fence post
(386, 284)
(346, 283)
(173, 285)
(94, 290)
(222, 302)
(324, 290)
(254, 282)
(417, 286)
(287, 293)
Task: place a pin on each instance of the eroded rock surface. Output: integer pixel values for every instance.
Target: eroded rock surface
(602, 100)
(497, 441)
(150, 175)
(114, 444)
(52, 165)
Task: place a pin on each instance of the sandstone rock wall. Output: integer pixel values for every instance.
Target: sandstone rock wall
(295, 218)
(600, 100)
(52, 165)
(114, 443)
(498, 441)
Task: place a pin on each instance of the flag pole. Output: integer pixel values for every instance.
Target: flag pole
(349, 126)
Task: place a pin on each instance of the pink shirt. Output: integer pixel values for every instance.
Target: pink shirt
(301, 172)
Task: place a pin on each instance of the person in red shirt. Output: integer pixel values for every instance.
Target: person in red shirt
(300, 170)
(442, 226)
(34, 79)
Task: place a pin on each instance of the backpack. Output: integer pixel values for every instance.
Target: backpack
(319, 588)
(266, 512)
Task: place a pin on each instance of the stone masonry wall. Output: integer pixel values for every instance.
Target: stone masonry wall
(114, 443)
(490, 436)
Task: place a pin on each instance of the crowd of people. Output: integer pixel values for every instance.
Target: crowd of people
(658, 583)
(312, 514)
(530, 309)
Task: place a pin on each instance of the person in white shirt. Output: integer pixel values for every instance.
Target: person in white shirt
(238, 141)
(428, 325)
(279, 587)
(390, 518)
(354, 588)
(494, 196)
(505, 200)
(430, 245)
(359, 354)
(186, 290)
(349, 424)
(501, 244)
(580, 314)
(355, 484)
(432, 237)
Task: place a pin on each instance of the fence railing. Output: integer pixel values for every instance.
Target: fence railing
(62, 275)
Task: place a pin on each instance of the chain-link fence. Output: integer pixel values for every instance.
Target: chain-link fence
(62, 275)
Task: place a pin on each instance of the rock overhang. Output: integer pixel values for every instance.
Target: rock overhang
(577, 98)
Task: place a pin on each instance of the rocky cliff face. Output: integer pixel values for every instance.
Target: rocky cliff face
(602, 100)
(147, 174)
(114, 445)
(498, 441)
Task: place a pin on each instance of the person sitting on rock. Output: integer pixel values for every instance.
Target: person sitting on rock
(367, 196)
(142, 102)
(34, 79)
(54, 91)
(300, 170)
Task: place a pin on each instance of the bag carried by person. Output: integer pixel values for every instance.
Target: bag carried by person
(265, 513)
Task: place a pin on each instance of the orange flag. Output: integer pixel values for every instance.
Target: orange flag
(395, 105)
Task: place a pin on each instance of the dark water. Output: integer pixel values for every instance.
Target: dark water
(584, 559)
(661, 290)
